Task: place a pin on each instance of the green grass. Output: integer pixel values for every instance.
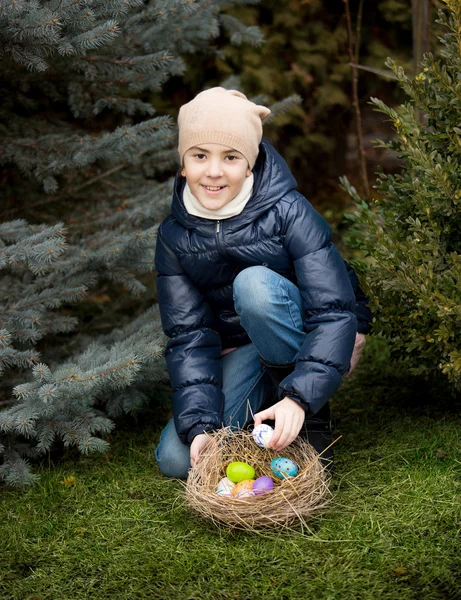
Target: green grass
(121, 531)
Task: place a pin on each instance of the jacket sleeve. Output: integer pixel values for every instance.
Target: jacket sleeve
(362, 311)
(328, 304)
(193, 351)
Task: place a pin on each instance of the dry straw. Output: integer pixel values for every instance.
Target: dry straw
(292, 500)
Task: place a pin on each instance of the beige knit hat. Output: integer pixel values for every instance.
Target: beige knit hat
(219, 116)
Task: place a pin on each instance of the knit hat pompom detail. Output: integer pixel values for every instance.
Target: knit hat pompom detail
(220, 116)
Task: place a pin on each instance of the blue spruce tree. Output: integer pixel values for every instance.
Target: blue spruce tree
(80, 134)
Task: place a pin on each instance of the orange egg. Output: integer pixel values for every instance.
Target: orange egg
(242, 488)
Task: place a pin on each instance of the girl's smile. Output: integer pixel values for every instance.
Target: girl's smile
(215, 174)
(213, 190)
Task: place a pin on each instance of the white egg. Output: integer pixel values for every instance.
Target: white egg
(225, 487)
(262, 435)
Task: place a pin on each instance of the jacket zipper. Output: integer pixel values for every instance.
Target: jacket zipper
(221, 246)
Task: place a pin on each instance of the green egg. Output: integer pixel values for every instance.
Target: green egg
(238, 471)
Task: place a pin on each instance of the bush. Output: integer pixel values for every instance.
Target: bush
(411, 234)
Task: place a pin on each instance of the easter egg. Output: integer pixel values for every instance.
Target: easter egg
(242, 489)
(245, 494)
(284, 467)
(262, 435)
(238, 471)
(262, 485)
(225, 487)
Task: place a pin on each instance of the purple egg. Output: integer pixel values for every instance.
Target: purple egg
(262, 485)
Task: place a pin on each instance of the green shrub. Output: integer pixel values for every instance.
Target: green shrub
(411, 232)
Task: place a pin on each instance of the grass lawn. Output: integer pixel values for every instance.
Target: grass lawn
(112, 527)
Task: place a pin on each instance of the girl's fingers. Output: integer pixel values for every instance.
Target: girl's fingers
(284, 440)
(290, 435)
(258, 418)
(288, 422)
(287, 439)
(278, 431)
(194, 458)
(197, 446)
(294, 433)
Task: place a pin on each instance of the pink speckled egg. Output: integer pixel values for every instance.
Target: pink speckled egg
(243, 489)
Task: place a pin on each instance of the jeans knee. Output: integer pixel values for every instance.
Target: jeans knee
(172, 465)
(251, 290)
(172, 456)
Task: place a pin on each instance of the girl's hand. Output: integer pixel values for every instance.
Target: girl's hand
(289, 418)
(360, 340)
(199, 443)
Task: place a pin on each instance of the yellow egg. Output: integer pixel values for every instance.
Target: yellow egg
(238, 471)
(242, 488)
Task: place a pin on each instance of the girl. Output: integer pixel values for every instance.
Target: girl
(253, 294)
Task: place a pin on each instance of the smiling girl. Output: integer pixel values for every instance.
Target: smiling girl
(262, 313)
(215, 176)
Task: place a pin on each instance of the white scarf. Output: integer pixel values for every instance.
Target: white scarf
(233, 208)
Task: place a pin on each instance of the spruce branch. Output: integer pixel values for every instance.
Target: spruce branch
(63, 63)
(282, 107)
(239, 33)
(98, 36)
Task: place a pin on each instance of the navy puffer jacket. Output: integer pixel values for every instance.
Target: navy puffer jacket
(197, 261)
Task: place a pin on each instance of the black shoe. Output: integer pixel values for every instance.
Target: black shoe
(318, 431)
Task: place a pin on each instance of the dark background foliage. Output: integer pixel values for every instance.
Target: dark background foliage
(305, 52)
(87, 162)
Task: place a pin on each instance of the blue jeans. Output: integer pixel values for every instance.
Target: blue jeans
(270, 311)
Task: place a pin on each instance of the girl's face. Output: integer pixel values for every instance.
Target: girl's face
(215, 174)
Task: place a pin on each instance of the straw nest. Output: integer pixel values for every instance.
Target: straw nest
(292, 500)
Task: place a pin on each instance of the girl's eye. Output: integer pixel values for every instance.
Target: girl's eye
(231, 158)
(199, 156)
